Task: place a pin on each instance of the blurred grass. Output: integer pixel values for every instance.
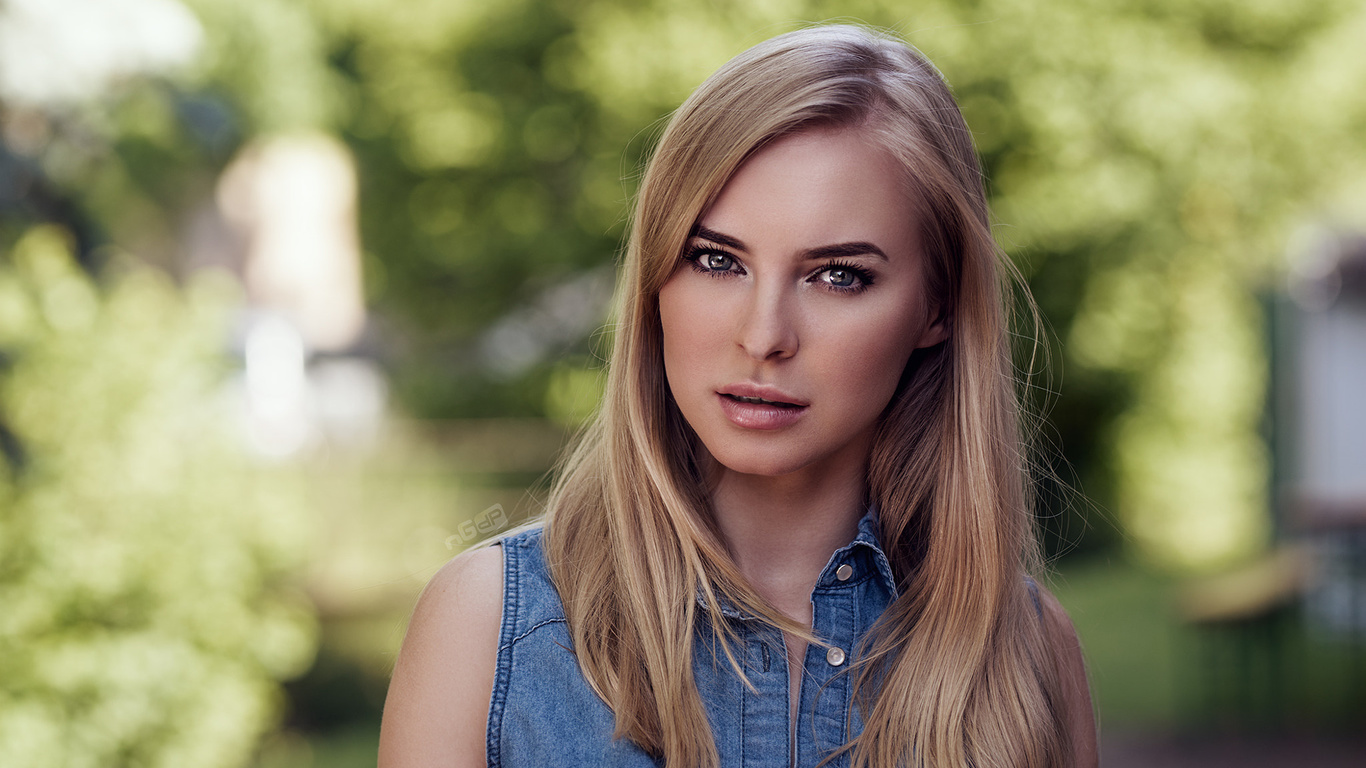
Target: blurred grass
(1153, 672)
(1130, 635)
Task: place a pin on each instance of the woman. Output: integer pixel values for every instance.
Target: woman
(798, 529)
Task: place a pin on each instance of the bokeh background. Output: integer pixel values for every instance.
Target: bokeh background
(299, 298)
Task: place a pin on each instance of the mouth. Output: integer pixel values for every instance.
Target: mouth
(760, 401)
(761, 407)
(751, 393)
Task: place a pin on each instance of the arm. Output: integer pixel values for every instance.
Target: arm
(1081, 718)
(436, 713)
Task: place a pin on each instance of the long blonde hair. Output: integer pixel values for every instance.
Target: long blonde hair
(957, 670)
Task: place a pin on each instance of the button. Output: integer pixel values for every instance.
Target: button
(844, 572)
(835, 657)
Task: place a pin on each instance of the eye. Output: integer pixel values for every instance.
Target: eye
(844, 278)
(718, 261)
(840, 278)
(711, 261)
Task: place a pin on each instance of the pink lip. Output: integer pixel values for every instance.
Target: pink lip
(762, 391)
(760, 415)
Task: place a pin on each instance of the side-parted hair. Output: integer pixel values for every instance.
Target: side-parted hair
(957, 671)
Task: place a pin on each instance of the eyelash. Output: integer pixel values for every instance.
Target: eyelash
(865, 278)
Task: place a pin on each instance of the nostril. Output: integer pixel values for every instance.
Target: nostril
(768, 334)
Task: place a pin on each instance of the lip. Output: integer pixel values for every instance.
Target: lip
(761, 416)
(763, 392)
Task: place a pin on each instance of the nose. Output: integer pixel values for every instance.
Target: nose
(769, 330)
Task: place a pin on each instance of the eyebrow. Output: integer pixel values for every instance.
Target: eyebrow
(839, 250)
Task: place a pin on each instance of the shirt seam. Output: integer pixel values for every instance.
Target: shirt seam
(524, 635)
(503, 675)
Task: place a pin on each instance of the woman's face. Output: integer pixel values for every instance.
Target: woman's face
(798, 300)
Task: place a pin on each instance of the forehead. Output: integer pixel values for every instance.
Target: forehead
(818, 187)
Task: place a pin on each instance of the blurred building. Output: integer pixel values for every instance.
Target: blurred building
(284, 222)
(1320, 424)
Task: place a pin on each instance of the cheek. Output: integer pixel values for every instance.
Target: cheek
(873, 358)
(684, 328)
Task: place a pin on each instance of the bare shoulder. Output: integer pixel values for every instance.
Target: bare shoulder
(436, 712)
(1076, 691)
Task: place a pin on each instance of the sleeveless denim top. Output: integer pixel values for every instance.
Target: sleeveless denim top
(544, 713)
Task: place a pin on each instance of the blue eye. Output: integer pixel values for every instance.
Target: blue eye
(844, 278)
(840, 278)
(719, 261)
(710, 261)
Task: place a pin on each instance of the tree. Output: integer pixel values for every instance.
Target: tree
(146, 562)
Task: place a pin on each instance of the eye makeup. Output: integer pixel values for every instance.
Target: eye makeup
(862, 277)
(837, 275)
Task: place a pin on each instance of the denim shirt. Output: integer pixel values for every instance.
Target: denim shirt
(544, 713)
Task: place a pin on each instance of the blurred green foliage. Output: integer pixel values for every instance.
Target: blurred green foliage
(1149, 164)
(144, 558)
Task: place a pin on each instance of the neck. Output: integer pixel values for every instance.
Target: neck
(782, 530)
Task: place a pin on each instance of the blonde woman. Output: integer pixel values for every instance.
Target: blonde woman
(798, 532)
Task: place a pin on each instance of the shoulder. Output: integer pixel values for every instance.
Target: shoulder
(436, 711)
(1076, 692)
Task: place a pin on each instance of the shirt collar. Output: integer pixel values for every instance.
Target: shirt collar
(864, 556)
(872, 564)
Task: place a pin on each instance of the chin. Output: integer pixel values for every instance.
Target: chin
(756, 463)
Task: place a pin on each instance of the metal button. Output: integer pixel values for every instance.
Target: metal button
(835, 657)
(844, 572)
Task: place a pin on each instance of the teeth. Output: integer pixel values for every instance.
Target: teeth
(759, 401)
